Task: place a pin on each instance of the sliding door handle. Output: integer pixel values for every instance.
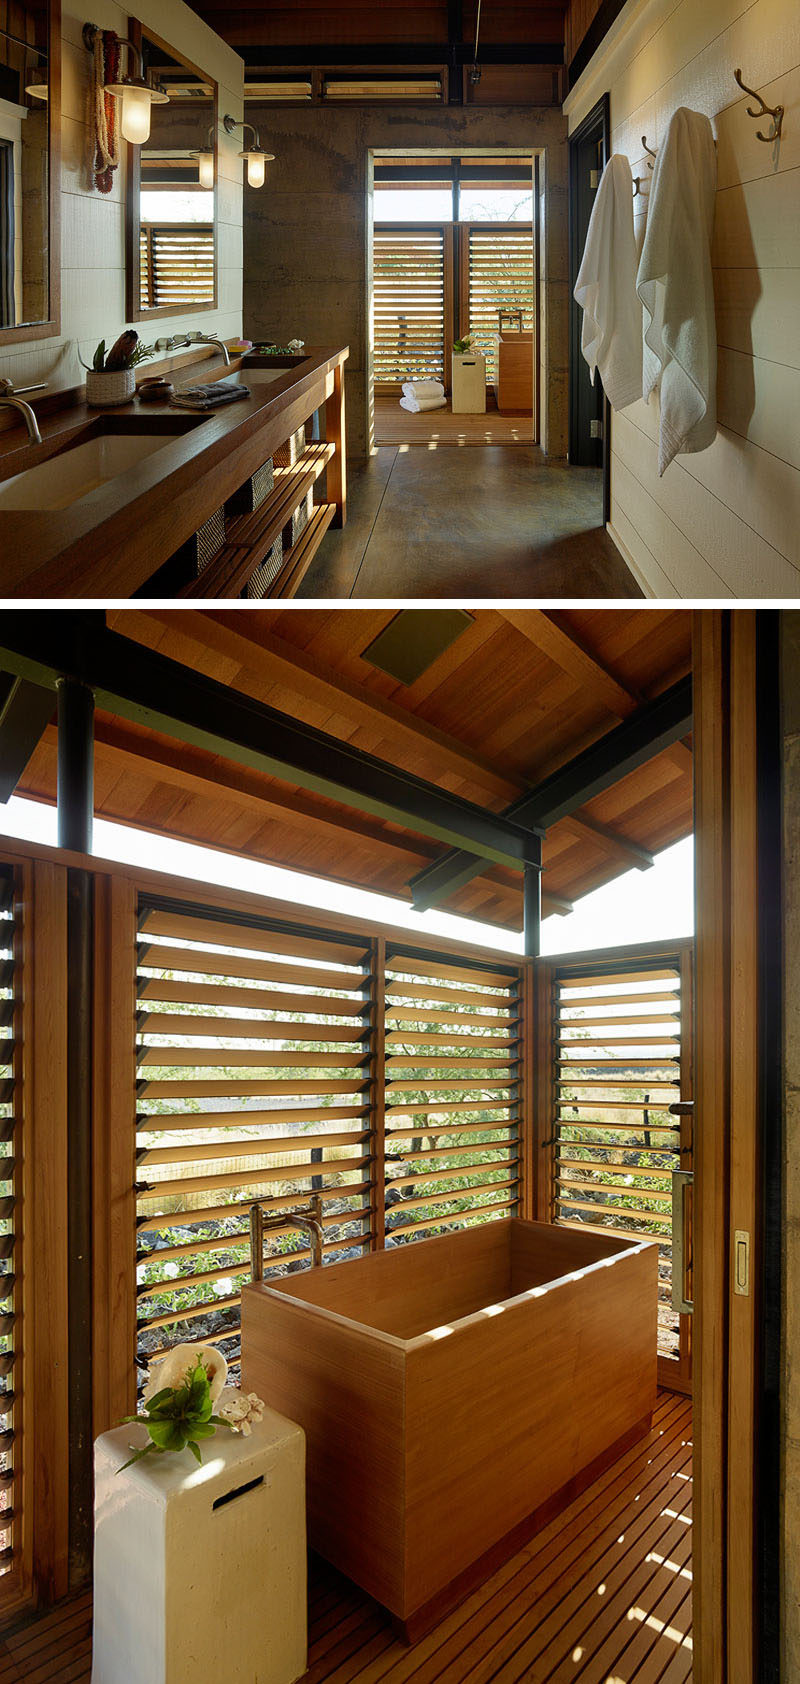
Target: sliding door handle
(682, 1179)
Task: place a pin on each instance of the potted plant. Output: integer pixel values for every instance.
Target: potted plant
(186, 1399)
(111, 380)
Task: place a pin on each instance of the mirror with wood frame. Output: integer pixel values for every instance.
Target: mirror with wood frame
(171, 243)
(30, 169)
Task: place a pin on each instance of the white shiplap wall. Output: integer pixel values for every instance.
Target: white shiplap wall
(725, 523)
(93, 224)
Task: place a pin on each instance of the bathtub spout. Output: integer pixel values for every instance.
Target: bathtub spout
(308, 1219)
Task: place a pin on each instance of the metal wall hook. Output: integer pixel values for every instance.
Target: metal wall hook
(637, 186)
(649, 150)
(763, 110)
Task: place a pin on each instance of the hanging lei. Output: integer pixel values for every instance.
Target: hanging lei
(106, 112)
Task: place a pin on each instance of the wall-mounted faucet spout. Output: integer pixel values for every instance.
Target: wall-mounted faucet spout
(308, 1218)
(9, 401)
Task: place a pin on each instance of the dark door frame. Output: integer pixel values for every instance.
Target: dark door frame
(597, 121)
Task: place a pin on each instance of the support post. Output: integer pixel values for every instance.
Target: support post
(75, 765)
(335, 433)
(532, 911)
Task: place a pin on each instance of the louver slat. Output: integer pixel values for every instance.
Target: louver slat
(176, 265)
(209, 1143)
(452, 1115)
(10, 1285)
(500, 277)
(409, 295)
(616, 1144)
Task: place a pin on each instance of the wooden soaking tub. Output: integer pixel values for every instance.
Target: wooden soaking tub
(455, 1393)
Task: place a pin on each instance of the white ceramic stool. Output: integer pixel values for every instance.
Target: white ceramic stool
(200, 1572)
(468, 384)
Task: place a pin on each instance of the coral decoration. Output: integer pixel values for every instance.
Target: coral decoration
(105, 112)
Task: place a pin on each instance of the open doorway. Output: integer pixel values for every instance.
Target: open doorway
(454, 299)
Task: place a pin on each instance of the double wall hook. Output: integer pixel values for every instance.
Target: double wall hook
(649, 150)
(637, 186)
(762, 110)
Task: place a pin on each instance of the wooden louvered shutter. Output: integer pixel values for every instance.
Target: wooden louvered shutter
(10, 1317)
(622, 1057)
(409, 305)
(176, 264)
(499, 262)
(254, 1051)
(452, 1094)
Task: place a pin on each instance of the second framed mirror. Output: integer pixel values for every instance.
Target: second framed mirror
(171, 221)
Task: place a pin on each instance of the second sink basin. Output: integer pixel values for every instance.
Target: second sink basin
(109, 450)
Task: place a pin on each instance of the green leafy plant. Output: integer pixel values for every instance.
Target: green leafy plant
(177, 1417)
(461, 345)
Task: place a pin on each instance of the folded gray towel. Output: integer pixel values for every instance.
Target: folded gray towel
(211, 396)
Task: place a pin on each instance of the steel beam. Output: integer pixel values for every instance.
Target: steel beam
(654, 727)
(75, 790)
(25, 711)
(387, 57)
(148, 688)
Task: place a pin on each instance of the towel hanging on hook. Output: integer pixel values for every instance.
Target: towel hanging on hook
(776, 112)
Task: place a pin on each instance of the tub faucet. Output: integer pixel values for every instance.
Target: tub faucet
(9, 401)
(308, 1219)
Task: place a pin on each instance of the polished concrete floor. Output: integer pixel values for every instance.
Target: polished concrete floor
(496, 522)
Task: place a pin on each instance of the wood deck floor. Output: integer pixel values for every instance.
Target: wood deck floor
(394, 425)
(602, 1596)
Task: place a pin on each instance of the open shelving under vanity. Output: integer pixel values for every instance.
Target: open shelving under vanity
(147, 501)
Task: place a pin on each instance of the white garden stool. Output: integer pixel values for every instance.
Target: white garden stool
(200, 1571)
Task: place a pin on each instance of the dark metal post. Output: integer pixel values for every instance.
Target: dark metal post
(75, 765)
(75, 826)
(532, 911)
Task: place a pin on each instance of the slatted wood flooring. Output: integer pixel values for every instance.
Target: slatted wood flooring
(602, 1595)
(394, 425)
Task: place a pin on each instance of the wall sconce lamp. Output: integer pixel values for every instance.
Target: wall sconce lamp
(137, 95)
(205, 162)
(257, 158)
(36, 85)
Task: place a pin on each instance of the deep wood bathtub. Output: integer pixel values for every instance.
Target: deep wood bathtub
(455, 1393)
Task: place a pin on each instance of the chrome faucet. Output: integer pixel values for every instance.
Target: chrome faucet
(211, 339)
(8, 400)
(308, 1219)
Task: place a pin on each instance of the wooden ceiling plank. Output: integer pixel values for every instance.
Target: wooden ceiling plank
(307, 676)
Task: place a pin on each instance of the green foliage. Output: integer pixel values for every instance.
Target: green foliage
(177, 1417)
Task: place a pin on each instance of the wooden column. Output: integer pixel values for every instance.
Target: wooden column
(377, 1094)
(335, 432)
(114, 1152)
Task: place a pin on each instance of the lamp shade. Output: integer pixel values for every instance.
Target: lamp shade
(205, 168)
(256, 168)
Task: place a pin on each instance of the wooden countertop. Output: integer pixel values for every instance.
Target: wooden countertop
(111, 542)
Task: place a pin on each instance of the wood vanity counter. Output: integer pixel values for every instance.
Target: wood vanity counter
(112, 541)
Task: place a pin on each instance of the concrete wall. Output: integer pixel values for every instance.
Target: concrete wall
(93, 224)
(724, 523)
(305, 234)
(791, 1299)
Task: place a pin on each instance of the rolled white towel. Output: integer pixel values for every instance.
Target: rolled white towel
(423, 389)
(415, 406)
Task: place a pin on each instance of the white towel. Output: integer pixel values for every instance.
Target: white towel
(611, 337)
(675, 284)
(423, 389)
(415, 406)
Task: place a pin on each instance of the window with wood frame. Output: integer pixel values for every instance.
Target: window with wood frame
(453, 1051)
(176, 264)
(499, 276)
(10, 1282)
(409, 305)
(621, 1058)
(253, 1068)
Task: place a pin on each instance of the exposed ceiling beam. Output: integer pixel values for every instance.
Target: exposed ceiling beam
(191, 773)
(380, 55)
(25, 710)
(268, 659)
(561, 645)
(610, 841)
(654, 727)
(162, 695)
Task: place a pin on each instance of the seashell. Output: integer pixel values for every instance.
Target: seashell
(174, 1367)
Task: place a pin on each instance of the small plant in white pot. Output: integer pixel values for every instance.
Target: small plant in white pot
(111, 380)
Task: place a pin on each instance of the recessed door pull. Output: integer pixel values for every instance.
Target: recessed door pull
(741, 1263)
